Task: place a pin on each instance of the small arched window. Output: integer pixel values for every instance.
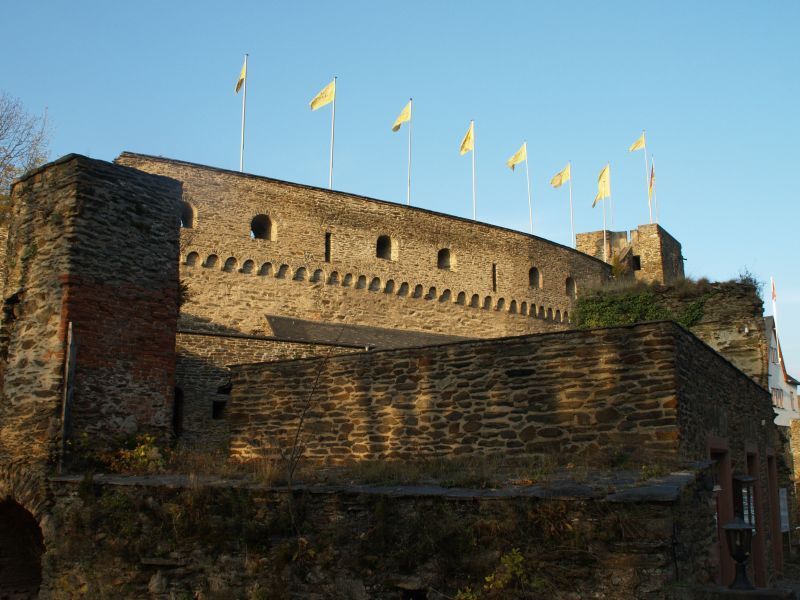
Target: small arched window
(248, 266)
(192, 258)
(230, 265)
(261, 228)
(211, 261)
(534, 278)
(572, 288)
(187, 215)
(403, 291)
(444, 259)
(385, 248)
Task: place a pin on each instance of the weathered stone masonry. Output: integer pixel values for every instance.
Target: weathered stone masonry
(316, 233)
(96, 245)
(606, 390)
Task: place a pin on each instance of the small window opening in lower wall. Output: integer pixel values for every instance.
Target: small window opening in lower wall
(218, 409)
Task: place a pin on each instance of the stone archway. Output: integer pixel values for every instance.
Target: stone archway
(21, 549)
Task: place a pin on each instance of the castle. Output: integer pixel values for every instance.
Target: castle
(208, 306)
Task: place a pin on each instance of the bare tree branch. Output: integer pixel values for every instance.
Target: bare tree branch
(23, 141)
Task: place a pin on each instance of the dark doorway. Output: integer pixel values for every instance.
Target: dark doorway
(21, 548)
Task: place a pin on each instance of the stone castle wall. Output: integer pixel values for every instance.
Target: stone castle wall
(576, 392)
(129, 538)
(203, 377)
(95, 245)
(488, 266)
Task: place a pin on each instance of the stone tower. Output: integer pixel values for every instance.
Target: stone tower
(650, 254)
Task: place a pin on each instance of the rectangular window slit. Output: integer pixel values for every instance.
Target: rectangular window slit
(328, 247)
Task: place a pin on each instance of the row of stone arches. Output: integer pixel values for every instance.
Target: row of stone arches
(375, 284)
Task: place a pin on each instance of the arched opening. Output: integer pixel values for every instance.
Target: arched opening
(316, 276)
(487, 303)
(187, 215)
(444, 259)
(389, 289)
(523, 308)
(375, 285)
(535, 278)
(282, 270)
(431, 295)
(230, 265)
(571, 288)
(541, 312)
(362, 282)
(192, 258)
(417, 292)
(333, 278)
(21, 549)
(461, 298)
(403, 291)
(558, 316)
(261, 228)
(300, 274)
(475, 301)
(348, 280)
(549, 314)
(512, 308)
(386, 248)
(445, 297)
(265, 270)
(565, 318)
(501, 304)
(248, 267)
(211, 261)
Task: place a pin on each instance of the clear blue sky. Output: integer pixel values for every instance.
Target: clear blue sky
(715, 84)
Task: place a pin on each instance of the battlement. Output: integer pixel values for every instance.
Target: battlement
(650, 254)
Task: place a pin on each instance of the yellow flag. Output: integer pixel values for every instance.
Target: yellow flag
(603, 185)
(468, 143)
(242, 77)
(638, 144)
(519, 156)
(326, 96)
(405, 116)
(561, 177)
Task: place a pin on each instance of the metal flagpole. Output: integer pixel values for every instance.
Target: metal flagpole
(571, 222)
(410, 120)
(775, 311)
(244, 104)
(472, 126)
(646, 185)
(604, 230)
(528, 177)
(333, 124)
(655, 185)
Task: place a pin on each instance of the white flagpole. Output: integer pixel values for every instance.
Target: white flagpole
(410, 120)
(571, 222)
(646, 183)
(604, 230)
(655, 185)
(472, 126)
(333, 126)
(528, 177)
(244, 104)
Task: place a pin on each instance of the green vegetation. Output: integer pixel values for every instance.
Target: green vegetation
(627, 302)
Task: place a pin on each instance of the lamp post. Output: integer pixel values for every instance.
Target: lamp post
(739, 532)
(740, 538)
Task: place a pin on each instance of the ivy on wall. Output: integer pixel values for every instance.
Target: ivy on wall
(637, 304)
